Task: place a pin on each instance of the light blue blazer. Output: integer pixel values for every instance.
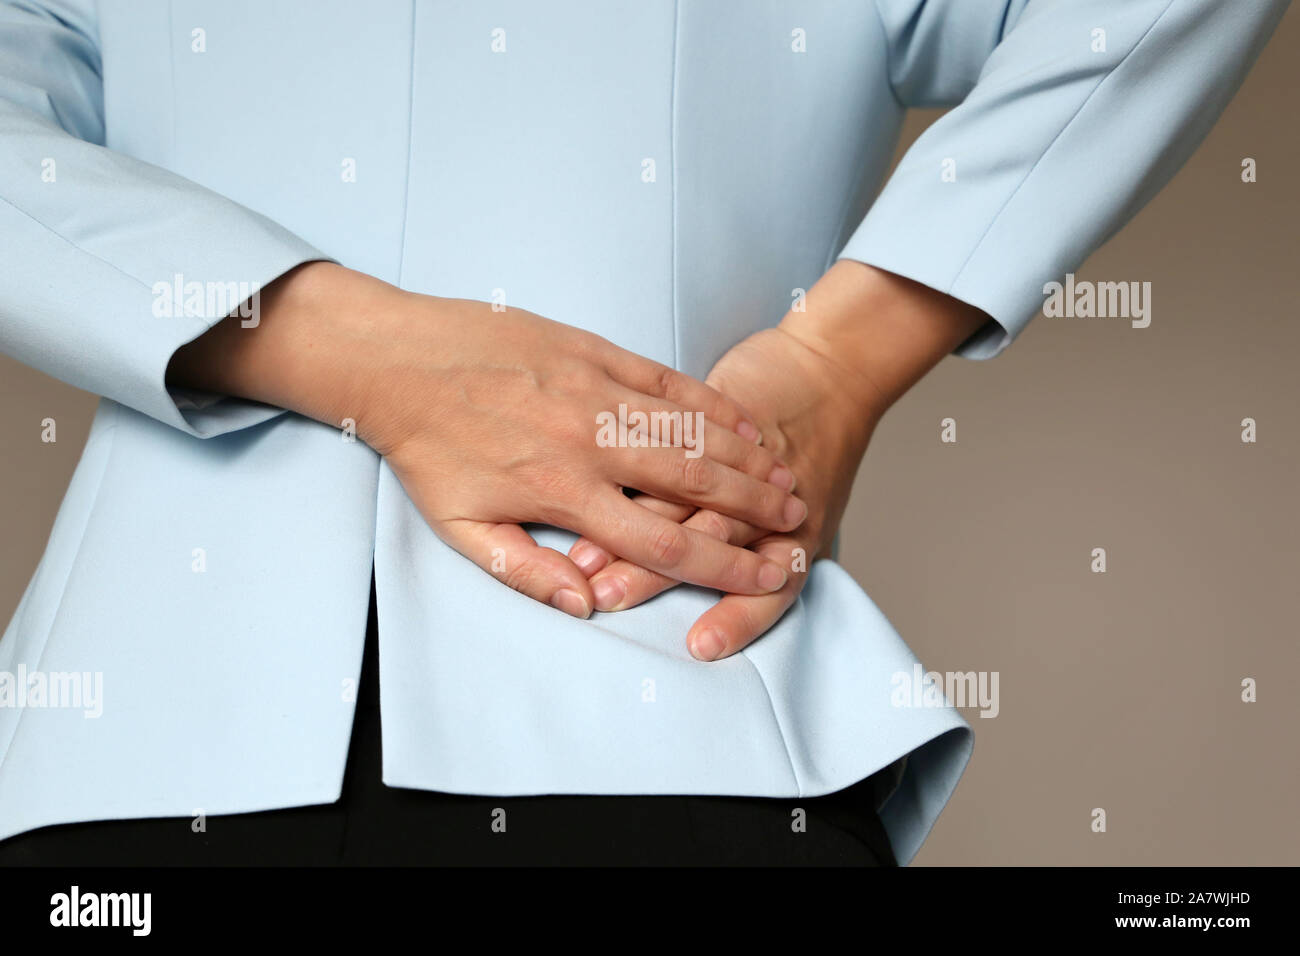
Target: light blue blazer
(665, 174)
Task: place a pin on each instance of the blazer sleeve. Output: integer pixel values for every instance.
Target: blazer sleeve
(92, 240)
(1072, 114)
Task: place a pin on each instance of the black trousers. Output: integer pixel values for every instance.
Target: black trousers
(372, 824)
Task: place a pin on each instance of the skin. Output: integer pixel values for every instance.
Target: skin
(426, 380)
(817, 384)
(488, 419)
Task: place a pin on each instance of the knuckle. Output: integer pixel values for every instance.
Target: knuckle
(552, 495)
(769, 503)
(712, 524)
(525, 576)
(742, 569)
(696, 475)
(743, 624)
(576, 428)
(668, 380)
(776, 442)
(587, 345)
(574, 377)
(668, 546)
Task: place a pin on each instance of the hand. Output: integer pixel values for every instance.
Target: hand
(818, 385)
(489, 420)
(809, 422)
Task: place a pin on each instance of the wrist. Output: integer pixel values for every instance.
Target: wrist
(882, 331)
(325, 328)
(311, 349)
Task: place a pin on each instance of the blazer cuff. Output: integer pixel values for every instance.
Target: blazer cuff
(199, 413)
(1010, 301)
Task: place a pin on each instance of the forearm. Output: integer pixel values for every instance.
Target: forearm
(882, 332)
(307, 351)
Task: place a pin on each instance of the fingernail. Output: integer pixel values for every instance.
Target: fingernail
(782, 477)
(708, 644)
(609, 593)
(771, 577)
(570, 602)
(749, 431)
(795, 511)
(586, 557)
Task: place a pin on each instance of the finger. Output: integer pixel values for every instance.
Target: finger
(736, 621)
(509, 553)
(653, 378)
(624, 584)
(647, 427)
(626, 528)
(699, 480)
(591, 557)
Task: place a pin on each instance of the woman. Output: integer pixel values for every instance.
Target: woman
(408, 191)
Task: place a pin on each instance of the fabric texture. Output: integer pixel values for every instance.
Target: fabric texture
(667, 175)
(375, 825)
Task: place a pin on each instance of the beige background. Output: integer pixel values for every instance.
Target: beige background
(1118, 690)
